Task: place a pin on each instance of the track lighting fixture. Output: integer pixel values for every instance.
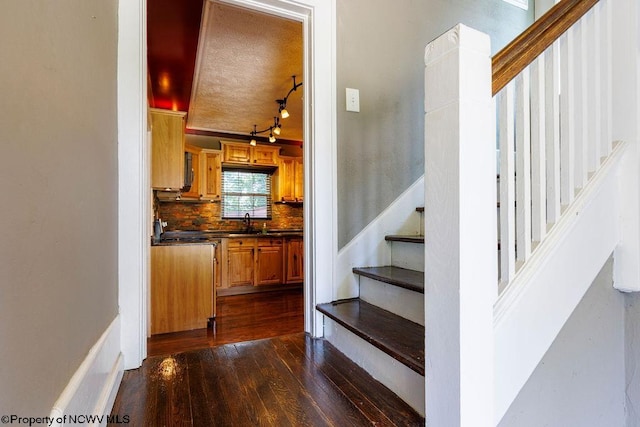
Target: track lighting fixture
(282, 110)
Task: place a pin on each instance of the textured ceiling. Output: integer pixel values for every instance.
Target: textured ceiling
(245, 62)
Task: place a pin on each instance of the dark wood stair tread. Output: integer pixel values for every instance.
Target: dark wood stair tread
(420, 209)
(409, 238)
(401, 277)
(400, 338)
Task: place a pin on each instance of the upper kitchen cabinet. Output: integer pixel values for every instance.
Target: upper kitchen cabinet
(211, 166)
(290, 180)
(167, 149)
(243, 153)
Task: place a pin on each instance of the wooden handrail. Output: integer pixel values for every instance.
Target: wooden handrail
(521, 52)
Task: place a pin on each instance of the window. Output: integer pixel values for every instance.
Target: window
(246, 191)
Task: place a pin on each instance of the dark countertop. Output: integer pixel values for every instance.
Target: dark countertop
(212, 237)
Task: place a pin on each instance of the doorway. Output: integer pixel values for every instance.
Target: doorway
(318, 17)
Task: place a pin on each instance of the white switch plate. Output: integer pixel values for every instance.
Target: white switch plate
(353, 100)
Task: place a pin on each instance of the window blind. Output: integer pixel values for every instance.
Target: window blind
(245, 191)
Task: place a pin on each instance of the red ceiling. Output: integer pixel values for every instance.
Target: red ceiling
(173, 27)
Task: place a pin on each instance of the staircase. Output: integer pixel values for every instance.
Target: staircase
(554, 93)
(383, 328)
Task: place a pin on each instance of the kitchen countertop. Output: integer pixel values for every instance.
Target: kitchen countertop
(211, 237)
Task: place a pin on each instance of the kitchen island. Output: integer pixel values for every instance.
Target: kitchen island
(190, 269)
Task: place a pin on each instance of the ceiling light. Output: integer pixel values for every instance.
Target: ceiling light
(276, 126)
(282, 110)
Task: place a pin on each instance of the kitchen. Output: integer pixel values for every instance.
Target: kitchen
(235, 231)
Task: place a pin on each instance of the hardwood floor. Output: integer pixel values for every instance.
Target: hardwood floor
(240, 318)
(291, 380)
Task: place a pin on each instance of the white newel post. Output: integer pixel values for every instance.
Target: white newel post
(460, 229)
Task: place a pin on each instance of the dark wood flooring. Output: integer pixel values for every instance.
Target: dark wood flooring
(240, 318)
(292, 380)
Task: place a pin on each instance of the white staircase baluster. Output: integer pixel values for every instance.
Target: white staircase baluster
(580, 93)
(523, 166)
(606, 38)
(567, 109)
(507, 184)
(552, 131)
(594, 95)
(538, 161)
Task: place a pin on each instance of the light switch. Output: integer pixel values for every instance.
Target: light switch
(353, 100)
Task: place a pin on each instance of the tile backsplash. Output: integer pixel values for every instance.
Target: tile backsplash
(206, 216)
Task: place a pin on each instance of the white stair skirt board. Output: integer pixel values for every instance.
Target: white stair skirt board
(555, 278)
(408, 255)
(93, 387)
(406, 383)
(369, 248)
(400, 301)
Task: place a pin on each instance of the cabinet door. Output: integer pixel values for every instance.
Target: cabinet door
(269, 265)
(194, 192)
(298, 179)
(237, 153)
(265, 155)
(295, 260)
(167, 149)
(212, 175)
(181, 287)
(286, 174)
(240, 269)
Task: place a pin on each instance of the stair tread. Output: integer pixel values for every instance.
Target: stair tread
(420, 209)
(409, 238)
(402, 277)
(400, 338)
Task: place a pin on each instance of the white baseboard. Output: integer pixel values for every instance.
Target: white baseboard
(368, 248)
(406, 383)
(93, 387)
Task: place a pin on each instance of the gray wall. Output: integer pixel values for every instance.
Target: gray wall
(58, 169)
(632, 359)
(581, 379)
(380, 51)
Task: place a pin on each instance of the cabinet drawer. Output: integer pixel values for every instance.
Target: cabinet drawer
(274, 241)
(242, 242)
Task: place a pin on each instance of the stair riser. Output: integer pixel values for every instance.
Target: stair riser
(400, 301)
(406, 383)
(408, 255)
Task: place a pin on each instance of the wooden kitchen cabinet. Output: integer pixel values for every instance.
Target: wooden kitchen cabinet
(167, 149)
(240, 262)
(294, 253)
(195, 190)
(243, 153)
(182, 295)
(269, 262)
(211, 174)
(290, 179)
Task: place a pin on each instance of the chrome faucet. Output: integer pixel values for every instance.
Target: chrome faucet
(247, 222)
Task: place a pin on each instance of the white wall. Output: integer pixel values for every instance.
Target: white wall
(581, 379)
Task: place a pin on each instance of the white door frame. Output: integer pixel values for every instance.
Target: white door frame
(320, 213)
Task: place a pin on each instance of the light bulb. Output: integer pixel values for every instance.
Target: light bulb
(284, 113)
(272, 138)
(252, 142)
(276, 130)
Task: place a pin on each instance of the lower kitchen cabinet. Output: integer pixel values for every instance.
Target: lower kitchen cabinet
(269, 262)
(240, 262)
(182, 283)
(294, 260)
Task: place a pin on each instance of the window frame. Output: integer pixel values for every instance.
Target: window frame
(224, 208)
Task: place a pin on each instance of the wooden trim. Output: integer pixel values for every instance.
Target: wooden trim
(521, 52)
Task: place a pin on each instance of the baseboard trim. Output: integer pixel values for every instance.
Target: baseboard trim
(93, 387)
